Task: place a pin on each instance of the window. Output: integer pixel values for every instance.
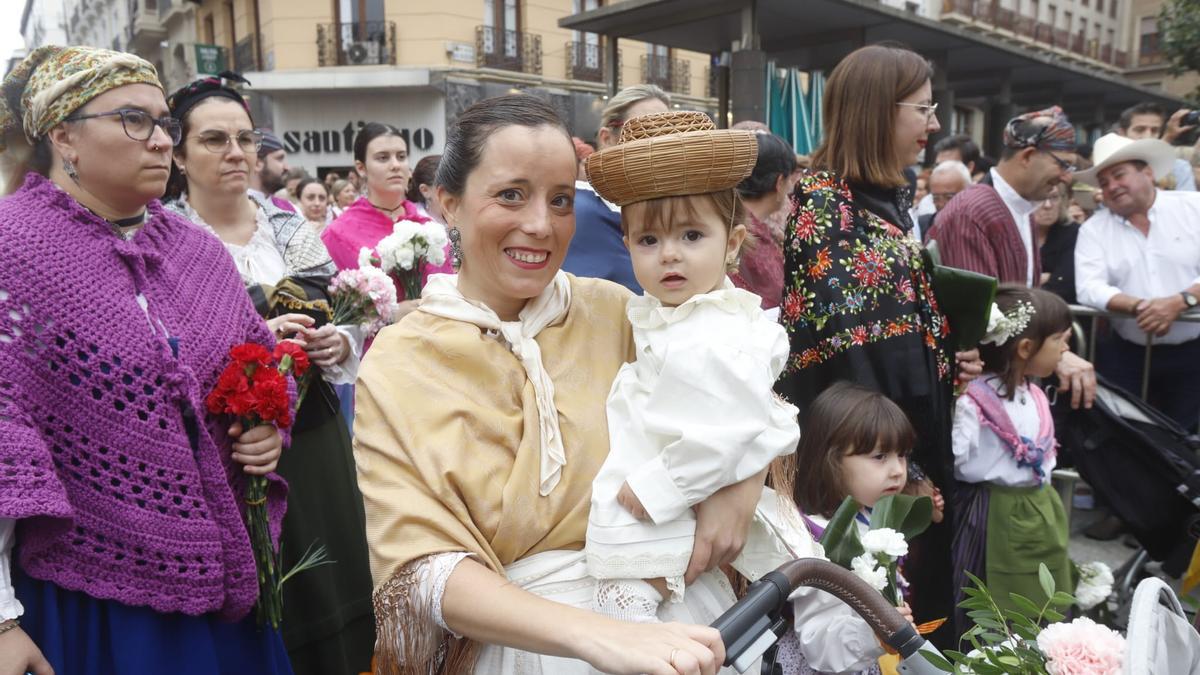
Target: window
(1053, 16)
(1112, 9)
(1100, 6)
(1148, 45)
(505, 21)
(209, 30)
(359, 11)
(589, 43)
(1112, 36)
(912, 7)
(231, 27)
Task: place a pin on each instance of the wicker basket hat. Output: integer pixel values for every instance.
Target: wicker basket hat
(671, 154)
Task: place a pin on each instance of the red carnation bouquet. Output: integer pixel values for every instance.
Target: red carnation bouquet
(253, 388)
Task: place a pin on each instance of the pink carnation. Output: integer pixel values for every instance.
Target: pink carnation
(1082, 647)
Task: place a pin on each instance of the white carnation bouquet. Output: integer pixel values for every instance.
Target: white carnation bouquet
(404, 253)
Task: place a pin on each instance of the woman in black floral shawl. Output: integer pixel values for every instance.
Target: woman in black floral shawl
(858, 302)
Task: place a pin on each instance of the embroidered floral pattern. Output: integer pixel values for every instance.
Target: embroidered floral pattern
(853, 279)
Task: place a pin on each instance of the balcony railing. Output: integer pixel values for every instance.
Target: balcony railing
(670, 74)
(364, 43)
(585, 61)
(508, 50)
(990, 13)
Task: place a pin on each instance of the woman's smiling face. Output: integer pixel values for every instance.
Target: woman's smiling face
(516, 216)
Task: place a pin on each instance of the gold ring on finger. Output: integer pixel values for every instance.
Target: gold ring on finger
(671, 660)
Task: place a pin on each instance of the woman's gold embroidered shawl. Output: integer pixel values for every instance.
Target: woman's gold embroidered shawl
(446, 434)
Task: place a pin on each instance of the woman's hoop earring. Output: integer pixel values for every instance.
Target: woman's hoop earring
(455, 247)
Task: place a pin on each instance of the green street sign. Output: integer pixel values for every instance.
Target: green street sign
(210, 59)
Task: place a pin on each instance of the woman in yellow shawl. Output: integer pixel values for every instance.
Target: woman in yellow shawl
(480, 426)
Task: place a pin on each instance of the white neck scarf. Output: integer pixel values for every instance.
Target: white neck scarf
(441, 297)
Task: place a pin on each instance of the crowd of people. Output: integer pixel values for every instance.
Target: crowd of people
(630, 388)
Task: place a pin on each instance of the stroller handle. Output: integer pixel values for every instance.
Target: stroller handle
(752, 624)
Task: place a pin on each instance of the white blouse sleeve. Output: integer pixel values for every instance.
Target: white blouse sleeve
(965, 433)
(346, 371)
(715, 407)
(432, 573)
(10, 607)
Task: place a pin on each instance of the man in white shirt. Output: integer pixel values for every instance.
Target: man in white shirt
(1141, 257)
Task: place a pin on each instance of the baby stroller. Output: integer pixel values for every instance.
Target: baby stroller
(1159, 639)
(751, 627)
(1146, 467)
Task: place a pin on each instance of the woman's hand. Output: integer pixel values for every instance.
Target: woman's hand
(286, 325)
(722, 522)
(627, 499)
(969, 365)
(257, 448)
(939, 506)
(18, 655)
(653, 648)
(325, 346)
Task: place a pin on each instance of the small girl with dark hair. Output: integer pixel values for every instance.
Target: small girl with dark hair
(1009, 518)
(855, 443)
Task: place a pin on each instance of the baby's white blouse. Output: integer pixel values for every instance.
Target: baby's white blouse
(694, 413)
(980, 456)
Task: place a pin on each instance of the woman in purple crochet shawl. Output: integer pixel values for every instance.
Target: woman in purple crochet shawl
(120, 511)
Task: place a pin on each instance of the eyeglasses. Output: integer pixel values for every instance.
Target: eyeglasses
(929, 109)
(218, 141)
(1063, 164)
(139, 125)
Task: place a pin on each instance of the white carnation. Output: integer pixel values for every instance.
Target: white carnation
(864, 568)
(1095, 585)
(364, 257)
(885, 540)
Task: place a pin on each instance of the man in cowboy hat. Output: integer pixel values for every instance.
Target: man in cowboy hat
(1141, 257)
(988, 228)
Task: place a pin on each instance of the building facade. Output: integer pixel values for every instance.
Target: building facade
(320, 70)
(43, 22)
(1148, 66)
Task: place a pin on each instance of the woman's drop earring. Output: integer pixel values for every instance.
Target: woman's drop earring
(455, 247)
(69, 169)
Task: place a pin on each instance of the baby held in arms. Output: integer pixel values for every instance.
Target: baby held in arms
(696, 411)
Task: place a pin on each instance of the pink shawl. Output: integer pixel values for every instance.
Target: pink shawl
(362, 225)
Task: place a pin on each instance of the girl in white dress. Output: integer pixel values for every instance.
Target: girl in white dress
(695, 412)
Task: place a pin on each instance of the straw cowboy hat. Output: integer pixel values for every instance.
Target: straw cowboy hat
(671, 154)
(1112, 149)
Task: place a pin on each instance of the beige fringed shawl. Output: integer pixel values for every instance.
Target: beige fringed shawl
(447, 441)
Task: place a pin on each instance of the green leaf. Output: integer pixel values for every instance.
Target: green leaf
(840, 540)
(937, 661)
(1061, 599)
(1046, 580)
(1053, 616)
(1025, 605)
(905, 514)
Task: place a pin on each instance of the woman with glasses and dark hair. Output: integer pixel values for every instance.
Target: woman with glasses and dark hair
(858, 301)
(116, 318)
(327, 620)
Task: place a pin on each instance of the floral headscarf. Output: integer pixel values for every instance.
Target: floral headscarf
(53, 82)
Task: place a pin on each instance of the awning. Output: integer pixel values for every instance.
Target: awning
(816, 34)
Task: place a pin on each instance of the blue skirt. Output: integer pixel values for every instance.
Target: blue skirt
(80, 635)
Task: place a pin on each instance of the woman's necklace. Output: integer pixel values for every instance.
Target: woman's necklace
(384, 209)
(124, 228)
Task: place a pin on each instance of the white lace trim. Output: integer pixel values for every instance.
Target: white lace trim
(432, 575)
(631, 600)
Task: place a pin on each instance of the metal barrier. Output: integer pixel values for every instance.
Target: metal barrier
(1089, 338)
